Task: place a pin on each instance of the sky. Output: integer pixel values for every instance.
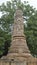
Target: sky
(31, 2)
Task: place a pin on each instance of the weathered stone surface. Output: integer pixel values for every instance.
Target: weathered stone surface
(19, 53)
(18, 45)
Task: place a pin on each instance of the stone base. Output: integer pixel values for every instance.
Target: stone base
(17, 56)
(29, 61)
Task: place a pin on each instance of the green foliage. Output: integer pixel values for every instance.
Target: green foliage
(31, 34)
(7, 19)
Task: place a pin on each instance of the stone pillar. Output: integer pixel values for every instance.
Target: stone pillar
(18, 28)
(19, 45)
(18, 49)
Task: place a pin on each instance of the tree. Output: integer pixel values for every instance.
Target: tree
(30, 28)
(31, 33)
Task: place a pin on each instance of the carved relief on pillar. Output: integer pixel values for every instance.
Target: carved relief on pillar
(18, 28)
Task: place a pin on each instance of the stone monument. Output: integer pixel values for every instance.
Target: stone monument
(18, 49)
(18, 53)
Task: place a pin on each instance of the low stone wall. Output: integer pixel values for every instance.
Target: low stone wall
(31, 61)
(6, 62)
